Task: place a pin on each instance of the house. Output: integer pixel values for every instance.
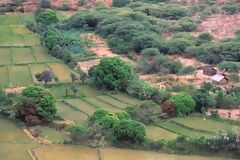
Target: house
(219, 79)
(209, 70)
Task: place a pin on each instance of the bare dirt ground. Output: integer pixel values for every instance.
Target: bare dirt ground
(220, 26)
(224, 113)
(100, 49)
(41, 140)
(186, 61)
(14, 90)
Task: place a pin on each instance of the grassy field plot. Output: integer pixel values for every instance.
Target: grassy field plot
(61, 71)
(207, 124)
(81, 105)
(68, 113)
(19, 29)
(157, 133)
(5, 30)
(51, 134)
(10, 19)
(42, 55)
(37, 68)
(4, 78)
(126, 99)
(31, 40)
(5, 56)
(180, 130)
(66, 152)
(102, 105)
(27, 18)
(20, 75)
(23, 56)
(88, 91)
(112, 101)
(12, 40)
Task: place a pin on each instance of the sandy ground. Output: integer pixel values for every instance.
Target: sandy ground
(224, 113)
(14, 90)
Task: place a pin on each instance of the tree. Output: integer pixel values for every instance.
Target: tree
(173, 12)
(83, 76)
(98, 115)
(183, 103)
(130, 131)
(47, 17)
(46, 76)
(36, 104)
(111, 73)
(74, 76)
(150, 53)
(45, 4)
(169, 108)
(74, 88)
(120, 3)
(203, 100)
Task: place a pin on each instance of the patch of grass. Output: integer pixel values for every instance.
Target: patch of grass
(10, 19)
(5, 54)
(157, 133)
(20, 75)
(37, 68)
(112, 101)
(81, 105)
(68, 113)
(12, 40)
(126, 99)
(88, 91)
(23, 56)
(207, 124)
(5, 30)
(19, 29)
(42, 55)
(180, 130)
(31, 40)
(61, 71)
(4, 78)
(102, 105)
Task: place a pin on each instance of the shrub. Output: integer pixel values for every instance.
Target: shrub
(187, 70)
(82, 2)
(169, 108)
(143, 42)
(98, 115)
(120, 3)
(205, 37)
(173, 12)
(234, 77)
(47, 17)
(183, 103)
(229, 66)
(230, 8)
(111, 73)
(150, 52)
(51, 39)
(129, 131)
(184, 25)
(45, 4)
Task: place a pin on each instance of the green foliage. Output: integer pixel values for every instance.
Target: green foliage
(7, 104)
(77, 132)
(45, 4)
(143, 42)
(234, 77)
(120, 3)
(203, 100)
(122, 115)
(229, 66)
(231, 8)
(129, 130)
(144, 112)
(47, 17)
(44, 101)
(150, 52)
(183, 25)
(173, 12)
(46, 76)
(187, 70)
(184, 103)
(51, 38)
(111, 73)
(98, 115)
(206, 37)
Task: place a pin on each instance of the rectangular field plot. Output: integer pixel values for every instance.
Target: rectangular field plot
(126, 99)
(112, 101)
(42, 55)
(68, 113)
(11, 40)
(180, 130)
(37, 68)
(88, 91)
(102, 105)
(20, 75)
(27, 18)
(4, 78)
(157, 133)
(207, 124)
(31, 40)
(19, 29)
(5, 56)
(61, 71)
(23, 56)
(82, 106)
(10, 19)
(5, 30)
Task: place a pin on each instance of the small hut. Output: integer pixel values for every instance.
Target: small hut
(219, 79)
(209, 70)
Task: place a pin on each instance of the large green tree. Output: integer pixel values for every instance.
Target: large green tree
(40, 103)
(111, 73)
(183, 103)
(47, 17)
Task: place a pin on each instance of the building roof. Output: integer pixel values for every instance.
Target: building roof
(218, 77)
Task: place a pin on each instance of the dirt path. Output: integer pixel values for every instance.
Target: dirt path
(100, 49)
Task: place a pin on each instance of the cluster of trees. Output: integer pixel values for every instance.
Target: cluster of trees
(118, 127)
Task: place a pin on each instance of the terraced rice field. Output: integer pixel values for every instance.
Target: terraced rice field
(82, 106)
(157, 133)
(68, 113)
(11, 40)
(61, 71)
(13, 19)
(37, 68)
(5, 54)
(207, 124)
(126, 99)
(88, 91)
(42, 55)
(4, 78)
(20, 75)
(180, 130)
(23, 56)
(31, 40)
(112, 101)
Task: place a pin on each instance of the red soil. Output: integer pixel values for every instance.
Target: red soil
(224, 113)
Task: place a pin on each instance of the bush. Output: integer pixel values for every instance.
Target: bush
(229, 66)
(82, 2)
(111, 73)
(183, 25)
(129, 131)
(45, 4)
(120, 3)
(144, 41)
(173, 12)
(36, 102)
(230, 8)
(234, 77)
(98, 115)
(205, 37)
(47, 17)
(183, 103)
(150, 52)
